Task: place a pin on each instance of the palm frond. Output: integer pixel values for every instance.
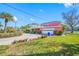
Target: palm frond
(5, 14)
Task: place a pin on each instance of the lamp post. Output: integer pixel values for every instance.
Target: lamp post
(14, 19)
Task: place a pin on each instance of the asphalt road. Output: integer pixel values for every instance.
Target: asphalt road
(8, 41)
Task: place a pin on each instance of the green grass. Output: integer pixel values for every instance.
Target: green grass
(54, 46)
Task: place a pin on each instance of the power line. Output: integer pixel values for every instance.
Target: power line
(27, 13)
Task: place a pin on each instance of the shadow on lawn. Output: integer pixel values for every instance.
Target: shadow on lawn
(71, 50)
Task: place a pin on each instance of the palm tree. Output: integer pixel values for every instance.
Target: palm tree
(1, 25)
(7, 17)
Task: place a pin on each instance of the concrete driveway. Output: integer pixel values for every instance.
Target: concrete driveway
(8, 41)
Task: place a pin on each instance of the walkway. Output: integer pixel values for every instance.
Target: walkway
(8, 41)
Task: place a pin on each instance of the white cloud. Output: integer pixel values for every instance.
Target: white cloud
(68, 5)
(32, 19)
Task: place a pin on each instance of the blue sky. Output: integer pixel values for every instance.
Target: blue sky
(47, 11)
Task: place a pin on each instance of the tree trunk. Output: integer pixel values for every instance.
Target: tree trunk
(72, 29)
(5, 26)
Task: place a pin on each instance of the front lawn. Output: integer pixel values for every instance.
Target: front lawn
(55, 46)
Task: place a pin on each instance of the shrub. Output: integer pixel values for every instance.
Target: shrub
(58, 32)
(25, 30)
(1, 31)
(36, 31)
(10, 29)
(5, 35)
(43, 36)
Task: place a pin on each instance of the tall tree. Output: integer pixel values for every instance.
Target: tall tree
(25, 28)
(7, 17)
(71, 18)
(1, 25)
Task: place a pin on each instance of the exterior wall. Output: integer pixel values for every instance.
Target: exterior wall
(46, 32)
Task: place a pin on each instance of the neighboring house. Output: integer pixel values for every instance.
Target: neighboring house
(33, 25)
(48, 27)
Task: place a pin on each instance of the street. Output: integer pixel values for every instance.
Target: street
(8, 41)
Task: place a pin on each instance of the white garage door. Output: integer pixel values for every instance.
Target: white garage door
(46, 32)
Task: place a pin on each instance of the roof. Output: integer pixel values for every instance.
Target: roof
(59, 28)
(54, 23)
(33, 24)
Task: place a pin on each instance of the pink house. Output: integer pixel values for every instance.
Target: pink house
(51, 27)
(48, 27)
